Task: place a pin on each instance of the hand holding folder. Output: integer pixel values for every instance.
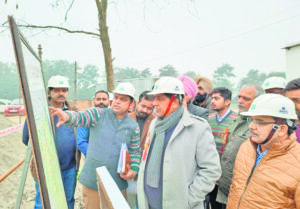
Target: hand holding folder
(124, 160)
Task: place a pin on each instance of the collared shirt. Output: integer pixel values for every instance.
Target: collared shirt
(260, 155)
(222, 117)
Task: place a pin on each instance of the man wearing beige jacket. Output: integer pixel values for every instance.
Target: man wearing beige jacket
(267, 168)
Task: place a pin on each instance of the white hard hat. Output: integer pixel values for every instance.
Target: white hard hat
(273, 105)
(274, 82)
(125, 88)
(58, 82)
(168, 85)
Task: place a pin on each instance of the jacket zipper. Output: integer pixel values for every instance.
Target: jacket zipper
(248, 180)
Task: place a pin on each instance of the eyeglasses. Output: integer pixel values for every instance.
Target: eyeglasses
(259, 122)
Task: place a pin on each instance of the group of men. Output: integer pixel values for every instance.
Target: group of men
(188, 148)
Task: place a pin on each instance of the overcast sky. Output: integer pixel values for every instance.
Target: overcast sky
(193, 35)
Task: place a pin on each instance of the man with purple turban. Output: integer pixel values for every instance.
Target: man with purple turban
(191, 90)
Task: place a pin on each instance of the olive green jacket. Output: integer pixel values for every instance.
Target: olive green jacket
(238, 133)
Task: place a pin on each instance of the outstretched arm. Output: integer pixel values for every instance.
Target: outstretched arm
(86, 118)
(62, 116)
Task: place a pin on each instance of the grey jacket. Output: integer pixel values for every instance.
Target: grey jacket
(191, 165)
(198, 111)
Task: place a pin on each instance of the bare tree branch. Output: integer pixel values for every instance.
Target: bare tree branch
(68, 10)
(60, 28)
(4, 23)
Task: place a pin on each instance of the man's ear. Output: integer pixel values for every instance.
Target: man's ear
(227, 102)
(131, 107)
(283, 130)
(176, 102)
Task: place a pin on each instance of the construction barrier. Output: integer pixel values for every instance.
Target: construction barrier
(10, 130)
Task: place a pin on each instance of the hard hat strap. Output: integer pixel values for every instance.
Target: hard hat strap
(169, 105)
(275, 127)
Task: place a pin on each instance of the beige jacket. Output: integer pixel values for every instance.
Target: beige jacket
(273, 184)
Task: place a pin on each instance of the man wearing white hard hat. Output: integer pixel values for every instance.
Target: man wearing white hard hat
(267, 167)
(180, 164)
(274, 85)
(109, 129)
(292, 91)
(68, 155)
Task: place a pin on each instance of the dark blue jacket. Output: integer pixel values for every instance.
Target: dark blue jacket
(83, 134)
(65, 144)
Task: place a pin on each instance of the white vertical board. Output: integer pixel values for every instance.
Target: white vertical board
(113, 195)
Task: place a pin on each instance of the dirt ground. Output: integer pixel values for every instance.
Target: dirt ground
(12, 150)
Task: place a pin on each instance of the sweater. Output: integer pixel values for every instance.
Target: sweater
(90, 118)
(218, 127)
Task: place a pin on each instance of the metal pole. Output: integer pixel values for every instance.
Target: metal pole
(24, 176)
(75, 82)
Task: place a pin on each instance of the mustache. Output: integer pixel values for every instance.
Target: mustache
(102, 105)
(61, 97)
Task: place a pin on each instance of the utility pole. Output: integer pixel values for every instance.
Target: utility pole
(75, 82)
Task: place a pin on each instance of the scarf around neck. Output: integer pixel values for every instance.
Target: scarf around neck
(162, 126)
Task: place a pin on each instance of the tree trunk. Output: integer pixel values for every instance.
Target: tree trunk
(102, 8)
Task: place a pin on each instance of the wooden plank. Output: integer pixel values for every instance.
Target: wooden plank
(38, 118)
(110, 195)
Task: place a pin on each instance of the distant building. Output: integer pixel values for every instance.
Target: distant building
(292, 61)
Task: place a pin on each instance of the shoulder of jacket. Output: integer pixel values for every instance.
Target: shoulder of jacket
(212, 115)
(296, 152)
(131, 121)
(246, 144)
(198, 119)
(234, 114)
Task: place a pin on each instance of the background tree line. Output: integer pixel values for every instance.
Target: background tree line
(90, 75)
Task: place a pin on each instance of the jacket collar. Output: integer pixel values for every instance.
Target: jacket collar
(186, 120)
(285, 144)
(281, 147)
